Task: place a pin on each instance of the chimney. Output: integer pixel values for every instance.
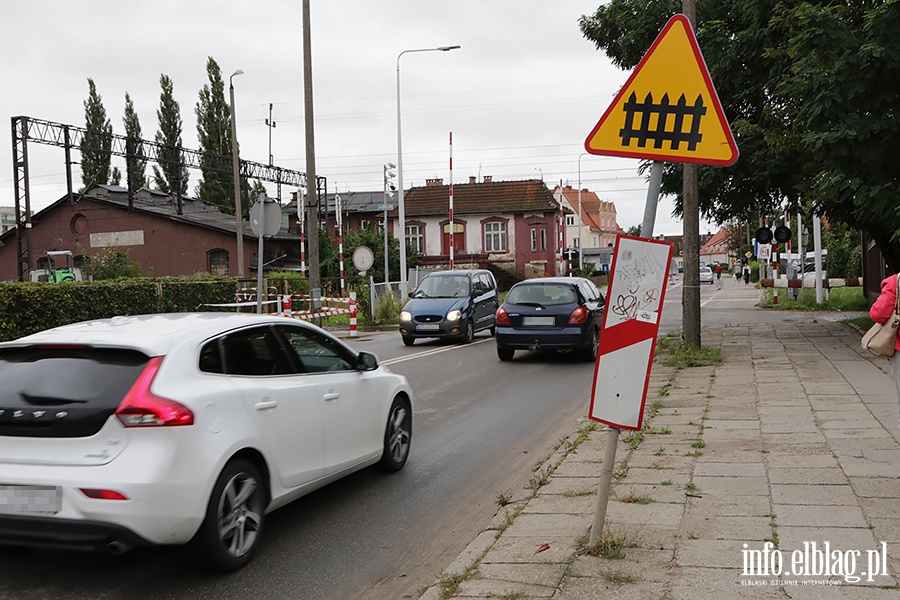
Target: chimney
(435, 181)
(472, 179)
(487, 179)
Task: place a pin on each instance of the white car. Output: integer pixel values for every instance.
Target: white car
(176, 428)
(707, 275)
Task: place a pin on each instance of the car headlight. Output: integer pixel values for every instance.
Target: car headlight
(405, 315)
(453, 315)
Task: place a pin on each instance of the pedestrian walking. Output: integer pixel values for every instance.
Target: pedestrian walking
(746, 274)
(881, 311)
(737, 273)
(718, 271)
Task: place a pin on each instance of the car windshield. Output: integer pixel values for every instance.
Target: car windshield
(443, 286)
(547, 294)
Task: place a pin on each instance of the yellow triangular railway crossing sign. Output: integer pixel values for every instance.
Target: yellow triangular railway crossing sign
(668, 109)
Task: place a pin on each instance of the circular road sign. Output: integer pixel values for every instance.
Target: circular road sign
(363, 258)
(265, 218)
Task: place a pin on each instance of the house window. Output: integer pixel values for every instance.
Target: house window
(495, 236)
(543, 239)
(533, 240)
(570, 220)
(415, 238)
(218, 262)
(576, 242)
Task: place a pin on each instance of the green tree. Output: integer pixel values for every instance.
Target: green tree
(171, 174)
(810, 88)
(256, 190)
(841, 94)
(112, 263)
(214, 134)
(634, 230)
(844, 258)
(374, 239)
(136, 160)
(115, 177)
(97, 143)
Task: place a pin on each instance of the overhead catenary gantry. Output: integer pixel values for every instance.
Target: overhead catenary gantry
(69, 137)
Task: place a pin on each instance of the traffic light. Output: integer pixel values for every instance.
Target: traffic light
(764, 235)
(782, 234)
(389, 187)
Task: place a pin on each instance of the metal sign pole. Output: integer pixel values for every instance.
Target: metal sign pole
(612, 436)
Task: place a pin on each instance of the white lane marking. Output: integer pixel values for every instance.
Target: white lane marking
(400, 359)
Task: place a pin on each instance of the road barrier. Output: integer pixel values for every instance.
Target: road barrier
(285, 308)
(810, 283)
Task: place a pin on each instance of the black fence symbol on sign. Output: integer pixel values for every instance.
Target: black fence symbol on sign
(676, 135)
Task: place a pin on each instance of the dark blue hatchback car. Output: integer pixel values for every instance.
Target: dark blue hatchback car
(554, 313)
(453, 305)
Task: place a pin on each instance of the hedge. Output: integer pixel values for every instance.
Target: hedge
(27, 307)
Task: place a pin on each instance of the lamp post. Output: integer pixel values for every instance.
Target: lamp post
(236, 170)
(401, 208)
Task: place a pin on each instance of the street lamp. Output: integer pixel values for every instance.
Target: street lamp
(236, 169)
(401, 208)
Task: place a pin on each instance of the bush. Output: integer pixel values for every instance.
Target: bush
(844, 299)
(387, 309)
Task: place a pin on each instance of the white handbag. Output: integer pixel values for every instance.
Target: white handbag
(881, 338)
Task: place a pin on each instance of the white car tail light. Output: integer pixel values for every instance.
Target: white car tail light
(142, 408)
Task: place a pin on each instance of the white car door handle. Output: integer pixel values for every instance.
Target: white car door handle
(265, 405)
(331, 396)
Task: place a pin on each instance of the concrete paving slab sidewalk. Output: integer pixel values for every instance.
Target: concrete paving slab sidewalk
(775, 474)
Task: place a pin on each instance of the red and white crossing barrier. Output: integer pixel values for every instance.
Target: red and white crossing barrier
(352, 314)
(325, 311)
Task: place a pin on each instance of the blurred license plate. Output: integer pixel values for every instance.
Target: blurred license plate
(427, 327)
(538, 321)
(18, 499)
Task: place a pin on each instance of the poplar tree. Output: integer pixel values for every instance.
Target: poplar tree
(136, 167)
(168, 177)
(214, 134)
(97, 143)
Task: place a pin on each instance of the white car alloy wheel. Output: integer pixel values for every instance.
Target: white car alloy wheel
(234, 519)
(397, 436)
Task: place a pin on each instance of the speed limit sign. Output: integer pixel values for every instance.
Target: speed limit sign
(764, 251)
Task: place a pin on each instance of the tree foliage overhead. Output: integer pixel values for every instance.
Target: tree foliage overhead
(136, 161)
(214, 134)
(169, 176)
(97, 143)
(810, 88)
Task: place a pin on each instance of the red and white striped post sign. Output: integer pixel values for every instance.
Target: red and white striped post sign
(634, 302)
(452, 232)
(352, 314)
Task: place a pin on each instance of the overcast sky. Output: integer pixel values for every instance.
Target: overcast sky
(520, 96)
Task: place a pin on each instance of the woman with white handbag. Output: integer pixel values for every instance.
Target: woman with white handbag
(886, 313)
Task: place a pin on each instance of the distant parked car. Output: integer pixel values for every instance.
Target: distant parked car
(174, 428)
(707, 275)
(554, 313)
(452, 305)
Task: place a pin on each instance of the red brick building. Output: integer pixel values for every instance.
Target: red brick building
(165, 239)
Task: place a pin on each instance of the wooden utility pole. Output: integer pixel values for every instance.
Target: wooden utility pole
(690, 206)
(312, 196)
